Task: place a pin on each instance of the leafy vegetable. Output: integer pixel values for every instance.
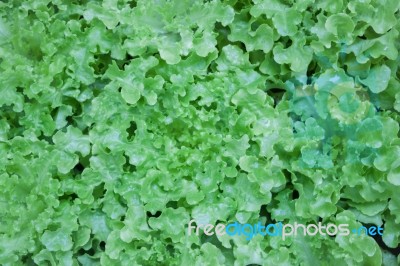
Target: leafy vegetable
(122, 120)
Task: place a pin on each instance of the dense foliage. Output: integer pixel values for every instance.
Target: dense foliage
(122, 120)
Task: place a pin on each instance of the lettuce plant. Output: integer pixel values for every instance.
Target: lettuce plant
(122, 120)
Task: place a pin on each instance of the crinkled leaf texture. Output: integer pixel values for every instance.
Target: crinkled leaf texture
(120, 121)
